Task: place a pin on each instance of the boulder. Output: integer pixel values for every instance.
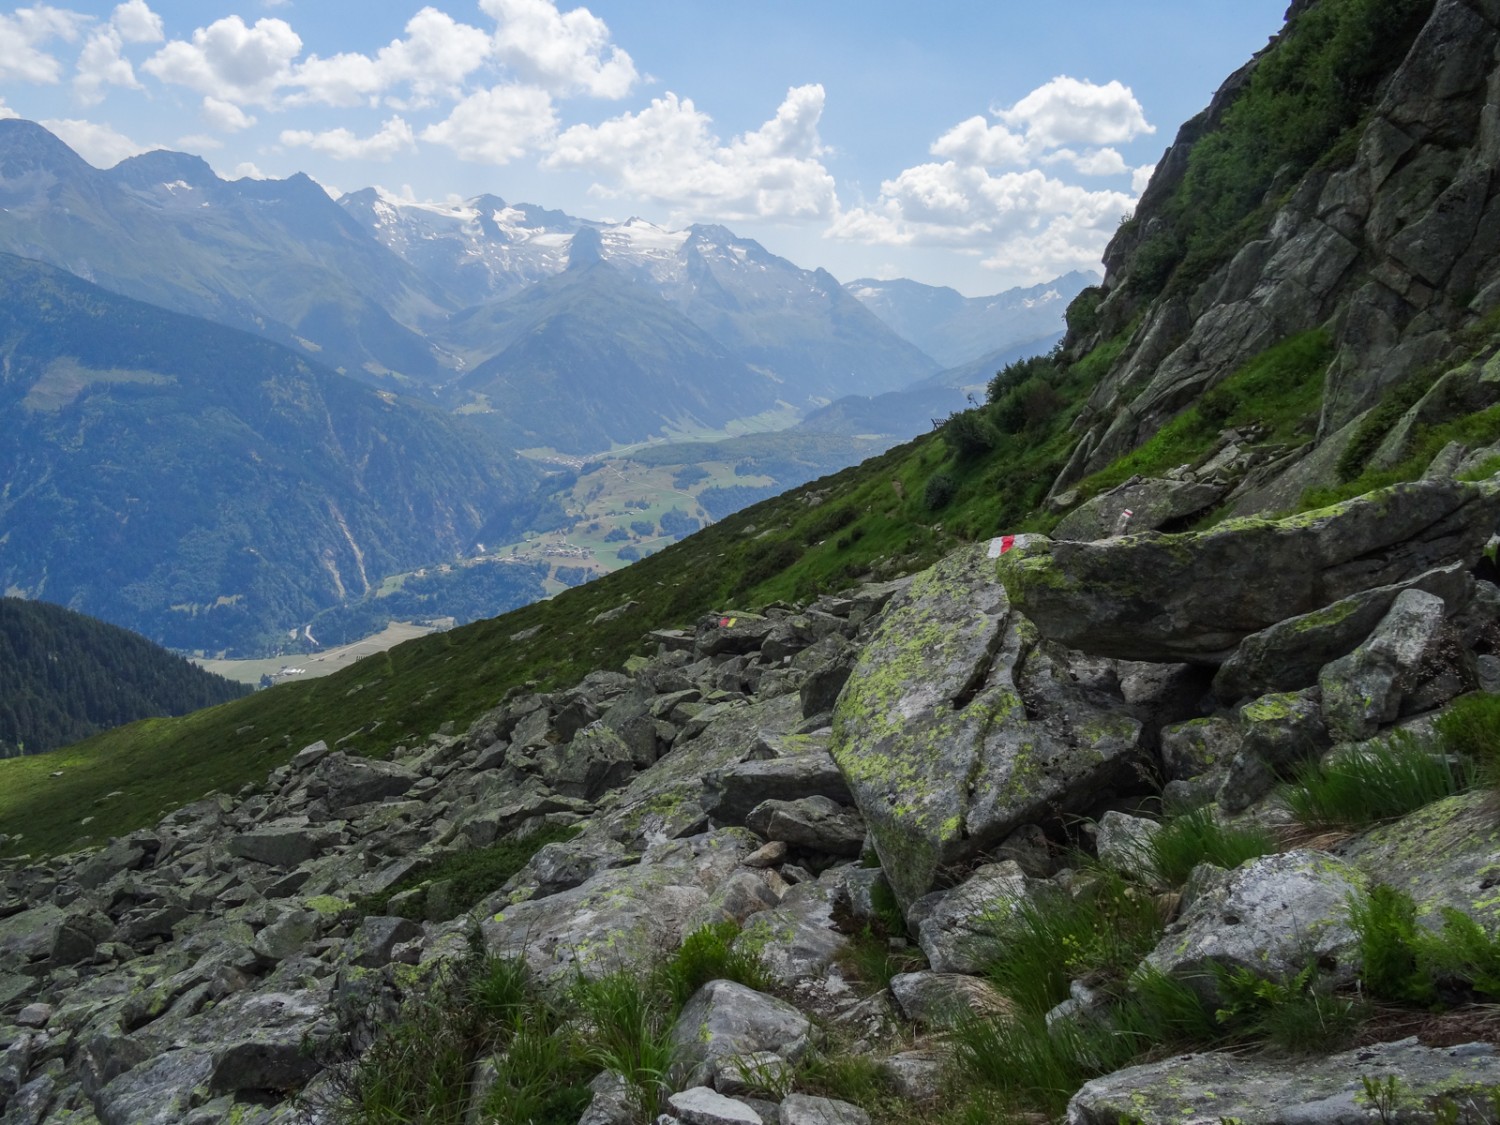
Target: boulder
(160, 1091)
(620, 918)
(284, 843)
(814, 823)
(1289, 655)
(732, 792)
(956, 928)
(1124, 844)
(1273, 916)
(699, 1105)
(1279, 732)
(798, 941)
(343, 781)
(1199, 746)
(1194, 597)
(371, 944)
(1262, 1090)
(725, 1021)
(1152, 504)
(942, 1001)
(941, 754)
(1366, 689)
(805, 1109)
(594, 762)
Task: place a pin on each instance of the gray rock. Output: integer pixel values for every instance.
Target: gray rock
(1443, 855)
(1152, 503)
(942, 756)
(1288, 655)
(1261, 1090)
(564, 864)
(798, 940)
(371, 944)
(1124, 844)
(594, 762)
(759, 1073)
(944, 1000)
(804, 1109)
(918, 1076)
(286, 936)
(31, 1102)
(699, 1105)
(825, 669)
(814, 823)
(1273, 916)
(342, 781)
(956, 927)
(1199, 746)
(1162, 597)
(725, 1020)
(620, 918)
(1280, 731)
(1364, 691)
(731, 793)
(283, 843)
(612, 1103)
(309, 756)
(159, 1091)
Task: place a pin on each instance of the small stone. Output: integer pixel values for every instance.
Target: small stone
(34, 1015)
(701, 1106)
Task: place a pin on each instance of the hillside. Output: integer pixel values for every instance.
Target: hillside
(1122, 751)
(206, 488)
(64, 676)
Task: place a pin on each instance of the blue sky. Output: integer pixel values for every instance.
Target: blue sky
(977, 146)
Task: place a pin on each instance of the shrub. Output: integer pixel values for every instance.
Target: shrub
(1390, 779)
(969, 434)
(939, 491)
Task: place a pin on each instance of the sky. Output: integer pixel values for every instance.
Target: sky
(979, 146)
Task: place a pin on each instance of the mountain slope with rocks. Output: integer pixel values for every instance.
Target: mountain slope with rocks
(1089, 784)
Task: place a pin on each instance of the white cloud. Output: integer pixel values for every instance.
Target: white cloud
(563, 52)
(395, 137)
(1141, 177)
(668, 153)
(1019, 219)
(231, 61)
(197, 142)
(100, 64)
(100, 145)
(497, 125)
(988, 197)
(6, 111)
(1069, 111)
(436, 56)
(248, 171)
(137, 23)
(21, 35)
(225, 116)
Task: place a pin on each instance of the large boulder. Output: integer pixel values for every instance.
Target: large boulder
(942, 755)
(1152, 503)
(1194, 597)
(725, 1020)
(1260, 1090)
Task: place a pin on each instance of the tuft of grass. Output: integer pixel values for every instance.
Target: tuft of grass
(1302, 1016)
(707, 954)
(471, 875)
(1196, 836)
(1471, 727)
(1053, 936)
(1409, 963)
(1395, 776)
(627, 1031)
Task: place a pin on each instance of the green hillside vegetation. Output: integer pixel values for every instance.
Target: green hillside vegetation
(64, 676)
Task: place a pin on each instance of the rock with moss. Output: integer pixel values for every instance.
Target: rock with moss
(942, 755)
(1152, 503)
(1397, 1081)
(1367, 689)
(1446, 855)
(1279, 732)
(798, 940)
(1289, 655)
(1195, 597)
(1199, 746)
(956, 927)
(724, 1021)
(1273, 916)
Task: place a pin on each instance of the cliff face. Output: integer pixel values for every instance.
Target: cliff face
(1388, 240)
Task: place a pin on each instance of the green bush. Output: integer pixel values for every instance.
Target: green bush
(1407, 962)
(939, 491)
(969, 434)
(707, 954)
(1301, 1016)
(1395, 776)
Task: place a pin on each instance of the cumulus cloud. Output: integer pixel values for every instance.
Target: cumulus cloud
(1069, 111)
(225, 116)
(669, 153)
(436, 56)
(497, 125)
(100, 145)
(563, 52)
(22, 34)
(998, 189)
(230, 60)
(248, 171)
(6, 111)
(137, 23)
(1141, 177)
(395, 137)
